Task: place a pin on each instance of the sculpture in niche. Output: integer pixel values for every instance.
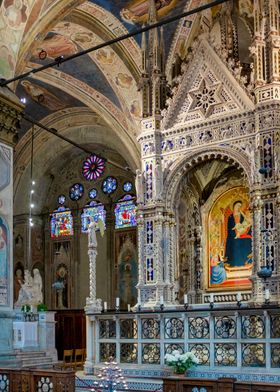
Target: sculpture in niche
(230, 240)
(31, 291)
(139, 186)
(158, 182)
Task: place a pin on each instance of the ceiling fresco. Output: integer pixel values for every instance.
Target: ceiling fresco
(111, 72)
(82, 68)
(134, 13)
(42, 100)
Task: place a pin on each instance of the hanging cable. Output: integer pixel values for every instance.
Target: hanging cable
(31, 203)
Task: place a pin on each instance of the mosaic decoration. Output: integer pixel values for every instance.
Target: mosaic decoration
(61, 199)
(92, 193)
(125, 212)
(92, 212)
(76, 191)
(109, 185)
(127, 186)
(93, 167)
(61, 223)
(230, 240)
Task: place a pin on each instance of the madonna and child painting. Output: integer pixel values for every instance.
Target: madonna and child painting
(230, 240)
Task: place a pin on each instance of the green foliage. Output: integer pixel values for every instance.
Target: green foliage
(25, 308)
(41, 307)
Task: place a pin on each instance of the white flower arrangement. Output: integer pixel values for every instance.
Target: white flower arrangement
(181, 362)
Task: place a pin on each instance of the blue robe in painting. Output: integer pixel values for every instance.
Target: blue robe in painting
(237, 249)
(218, 274)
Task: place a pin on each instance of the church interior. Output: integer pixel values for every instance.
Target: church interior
(140, 195)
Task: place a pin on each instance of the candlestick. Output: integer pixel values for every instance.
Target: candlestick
(212, 298)
(239, 297)
(161, 300)
(185, 299)
(117, 302)
(105, 306)
(128, 307)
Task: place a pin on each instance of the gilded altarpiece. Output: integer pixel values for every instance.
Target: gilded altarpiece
(229, 241)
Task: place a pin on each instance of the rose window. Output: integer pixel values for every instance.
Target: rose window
(205, 98)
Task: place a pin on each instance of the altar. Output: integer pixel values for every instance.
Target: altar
(25, 334)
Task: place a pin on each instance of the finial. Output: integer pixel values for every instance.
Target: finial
(152, 15)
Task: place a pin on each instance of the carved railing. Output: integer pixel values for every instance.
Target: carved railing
(232, 340)
(36, 380)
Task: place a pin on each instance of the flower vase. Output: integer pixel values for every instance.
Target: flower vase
(180, 374)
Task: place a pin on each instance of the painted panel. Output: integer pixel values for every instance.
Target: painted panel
(126, 267)
(230, 240)
(6, 214)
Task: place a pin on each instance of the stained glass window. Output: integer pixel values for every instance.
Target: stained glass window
(127, 186)
(92, 211)
(109, 185)
(61, 199)
(93, 167)
(92, 193)
(76, 191)
(61, 223)
(125, 212)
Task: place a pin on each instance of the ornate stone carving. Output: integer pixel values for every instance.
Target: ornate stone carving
(10, 115)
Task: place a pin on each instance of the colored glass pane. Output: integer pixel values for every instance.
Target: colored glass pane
(76, 191)
(61, 223)
(61, 199)
(92, 193)
(93, 167)
(93, 211)
(109, 185)
(125, 213)
(127, 186)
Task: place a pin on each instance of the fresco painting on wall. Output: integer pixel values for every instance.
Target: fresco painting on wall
(5, 222)
(128, 276)
(126, 267)
(18, 279)
(4, 261)
(230, 240)
(136, 11)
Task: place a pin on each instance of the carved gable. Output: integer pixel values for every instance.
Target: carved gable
(207, 90)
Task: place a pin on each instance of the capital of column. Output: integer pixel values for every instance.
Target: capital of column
(10, 115)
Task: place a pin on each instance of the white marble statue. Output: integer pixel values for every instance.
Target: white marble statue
(93, 303)
(139, 186)
(92, 241)
(31, 291)
(157, 182)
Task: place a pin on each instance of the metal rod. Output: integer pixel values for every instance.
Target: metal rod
(61, 59)
(66, 139)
